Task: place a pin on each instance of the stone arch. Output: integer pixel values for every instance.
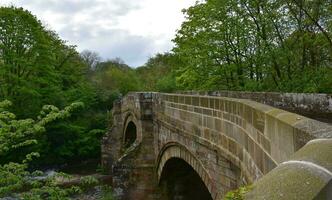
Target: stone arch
(130, 134)
(132, 130)
(175, 150)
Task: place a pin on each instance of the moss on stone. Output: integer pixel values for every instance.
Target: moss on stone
(289, 182)
(289, 118)
(275, 112)
(318, 152)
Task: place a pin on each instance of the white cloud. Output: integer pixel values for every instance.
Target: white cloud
(131, 29)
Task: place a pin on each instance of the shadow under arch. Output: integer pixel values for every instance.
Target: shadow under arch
(130, 134)
(182, 176)
(180, 181)
(131, 130)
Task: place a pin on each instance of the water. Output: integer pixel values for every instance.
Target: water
(75, 169)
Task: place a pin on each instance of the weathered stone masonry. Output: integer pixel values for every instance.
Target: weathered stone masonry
(228, 142)
(315, 106)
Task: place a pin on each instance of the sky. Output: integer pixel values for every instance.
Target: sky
(133, 30)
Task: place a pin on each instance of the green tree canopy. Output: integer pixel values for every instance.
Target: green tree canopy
(256, 45)
(158, 73)
(38, 68)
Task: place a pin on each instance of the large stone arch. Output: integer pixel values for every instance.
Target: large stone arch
(169, 134)
(129, 119)
(176, 150)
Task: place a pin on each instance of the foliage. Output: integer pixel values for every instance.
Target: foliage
(238, 194)
(88, 182)
(256, 45)
(102, 170)
(12, 178)
(34, 63)
(38, 68)
(17, 136)
(107, 193)
(115, 78)
(158, 73)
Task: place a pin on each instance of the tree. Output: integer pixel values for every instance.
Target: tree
(256, 45)
(90, 58)
(115, 77)
(24, 55)
(38, 68)
(158, 73)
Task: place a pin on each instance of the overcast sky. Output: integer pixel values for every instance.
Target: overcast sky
(133, 30)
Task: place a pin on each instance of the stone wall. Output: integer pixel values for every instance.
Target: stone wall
(315, 106)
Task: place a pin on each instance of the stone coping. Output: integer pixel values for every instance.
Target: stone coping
(305, 176)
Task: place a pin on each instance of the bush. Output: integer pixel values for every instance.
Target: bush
(238, 194)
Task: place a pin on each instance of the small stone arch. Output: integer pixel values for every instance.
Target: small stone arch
(176, 150)
(132, 130)
(130, 134)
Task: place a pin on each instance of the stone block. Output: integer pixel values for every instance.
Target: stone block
(198, 110)
(216, 104)
(188, 100)
(176, 99)
(226, 116)
(207, 133)
(227, 105)
(207, 112)
(259, 120)
(195, 101)
(221, 105)
(266, 144)
(218, 125)
(258, 157)
(232, 147)
(269, 164)
(204, 102)
(210, 123)
(248, 114)
(251, 147)
(211, 103)
(224, 141)
(181, 99)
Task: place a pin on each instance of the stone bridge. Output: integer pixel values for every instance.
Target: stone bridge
(191, 146)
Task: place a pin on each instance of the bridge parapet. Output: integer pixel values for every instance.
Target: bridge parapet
(258, 128)
(312, 105)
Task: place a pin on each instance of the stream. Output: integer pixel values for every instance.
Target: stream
(77, 171)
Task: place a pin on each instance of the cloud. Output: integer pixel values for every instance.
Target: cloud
(115, 7)
(111, 43)
(133, 30)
